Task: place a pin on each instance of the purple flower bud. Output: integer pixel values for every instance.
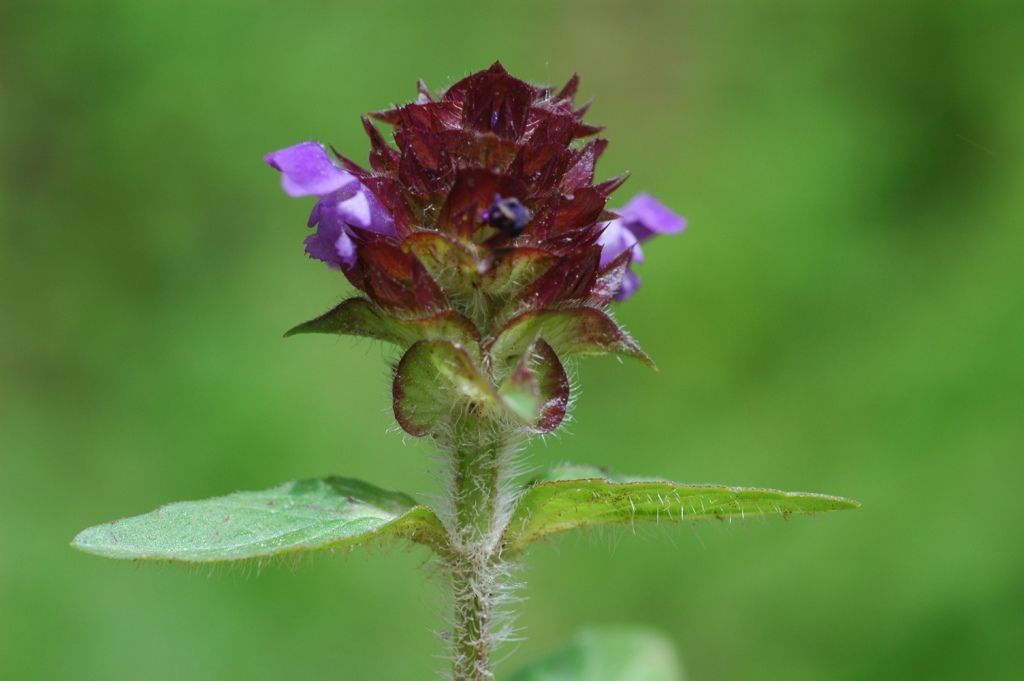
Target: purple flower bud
(639, 220)
(307, 170)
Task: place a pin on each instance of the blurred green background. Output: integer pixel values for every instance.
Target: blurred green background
(844, 314)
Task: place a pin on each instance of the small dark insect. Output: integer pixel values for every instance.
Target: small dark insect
(509, 215)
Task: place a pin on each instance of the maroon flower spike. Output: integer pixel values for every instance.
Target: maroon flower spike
(485, 249)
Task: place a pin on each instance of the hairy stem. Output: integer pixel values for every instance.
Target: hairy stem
(479, 504)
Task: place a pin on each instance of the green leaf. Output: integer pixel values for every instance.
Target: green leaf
(578, 496)
(305, 515)
(584, 331)
(360, 317)
(608, 654)
(433, 381)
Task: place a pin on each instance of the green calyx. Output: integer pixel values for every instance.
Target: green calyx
(449, 368)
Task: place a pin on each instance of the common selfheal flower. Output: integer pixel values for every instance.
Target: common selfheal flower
(345, 203)
(639, 220)
(480, 244)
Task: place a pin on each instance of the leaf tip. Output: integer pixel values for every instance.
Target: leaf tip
(84, 541)
(295, 330)
(634, 350)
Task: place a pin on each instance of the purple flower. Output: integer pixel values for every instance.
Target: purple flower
(307, 170)
(639, 220)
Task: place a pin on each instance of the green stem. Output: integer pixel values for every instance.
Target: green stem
(478, 469)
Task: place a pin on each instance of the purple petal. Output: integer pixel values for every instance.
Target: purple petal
(332, 245)
(307, 170)
(638, 253)
(640, 219)
(615, 240)
(346, 249)
(335, 214)
(645, 216)
(355, 205)
(322, 244)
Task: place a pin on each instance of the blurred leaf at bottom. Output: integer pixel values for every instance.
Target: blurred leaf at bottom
(608, 654)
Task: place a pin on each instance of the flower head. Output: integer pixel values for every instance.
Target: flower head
(481, 228)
